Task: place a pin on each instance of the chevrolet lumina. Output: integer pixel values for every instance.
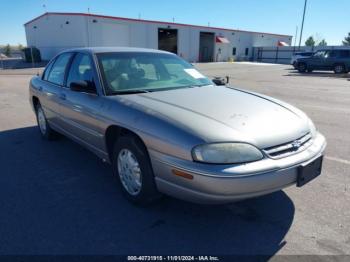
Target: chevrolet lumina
(166, 128)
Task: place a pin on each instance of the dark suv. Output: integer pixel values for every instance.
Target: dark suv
(336, 60)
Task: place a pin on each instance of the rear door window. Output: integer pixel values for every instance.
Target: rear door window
(57, 72)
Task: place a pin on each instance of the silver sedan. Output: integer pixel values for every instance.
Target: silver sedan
(166, 128)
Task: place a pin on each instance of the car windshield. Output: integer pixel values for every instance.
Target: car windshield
(134, 72)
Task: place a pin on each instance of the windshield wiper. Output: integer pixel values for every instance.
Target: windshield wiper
(132, 91)
(200, 85)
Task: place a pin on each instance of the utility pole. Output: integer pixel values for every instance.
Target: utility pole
(302, 24)
(296, 36)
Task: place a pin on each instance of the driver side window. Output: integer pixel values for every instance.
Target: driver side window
(81, 70)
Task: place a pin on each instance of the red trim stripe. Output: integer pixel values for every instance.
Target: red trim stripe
(149, 21)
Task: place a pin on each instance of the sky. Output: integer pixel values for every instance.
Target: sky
(324, 18)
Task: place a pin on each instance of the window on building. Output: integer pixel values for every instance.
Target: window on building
(234, 51)
(81, 70)
(58, 70)
(247, 51)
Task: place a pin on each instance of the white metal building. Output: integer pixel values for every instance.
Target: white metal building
(54, 32)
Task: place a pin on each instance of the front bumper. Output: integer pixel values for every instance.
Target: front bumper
(216, 184)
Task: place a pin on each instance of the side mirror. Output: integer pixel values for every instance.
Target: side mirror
(221, 81)
(83, 86)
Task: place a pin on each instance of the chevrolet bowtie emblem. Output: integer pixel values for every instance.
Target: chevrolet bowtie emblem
(296, 144)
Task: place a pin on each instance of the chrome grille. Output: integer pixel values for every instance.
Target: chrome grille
(290, 148)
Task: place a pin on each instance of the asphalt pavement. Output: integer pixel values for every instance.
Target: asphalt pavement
(58, 198)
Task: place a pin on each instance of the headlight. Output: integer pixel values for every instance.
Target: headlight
(226, 153)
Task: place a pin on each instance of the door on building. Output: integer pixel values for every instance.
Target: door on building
(206, 47)
(167, 40)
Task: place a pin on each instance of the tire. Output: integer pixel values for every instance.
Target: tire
(339, 69)
(130, 151)
(302, 67)
(44, 128)
(309, 70)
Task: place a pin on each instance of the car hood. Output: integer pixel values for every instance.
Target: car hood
(218, 114)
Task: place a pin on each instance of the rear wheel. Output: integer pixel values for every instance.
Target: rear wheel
(45, 130)
(302, 67)
(339, 69)
(131, 164)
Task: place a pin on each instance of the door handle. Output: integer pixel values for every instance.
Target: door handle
(63, 96)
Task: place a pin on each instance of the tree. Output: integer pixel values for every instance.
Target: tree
(20, 47)
(322, 43)
(7, 50)
(347, 40)
(310, 41)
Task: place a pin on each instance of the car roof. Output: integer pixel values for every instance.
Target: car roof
(95, 50)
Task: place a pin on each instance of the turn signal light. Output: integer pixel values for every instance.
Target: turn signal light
(182, 174)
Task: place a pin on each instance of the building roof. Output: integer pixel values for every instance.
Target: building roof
(149, 21)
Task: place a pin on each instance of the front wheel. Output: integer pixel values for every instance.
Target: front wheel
(302, 67)
(45, 130)
(339, 69)
(131, 164)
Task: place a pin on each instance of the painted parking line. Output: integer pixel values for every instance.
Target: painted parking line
(339, 160)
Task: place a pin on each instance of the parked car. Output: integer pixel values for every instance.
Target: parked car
(165, 128)
(298, 55)
(326, 60)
